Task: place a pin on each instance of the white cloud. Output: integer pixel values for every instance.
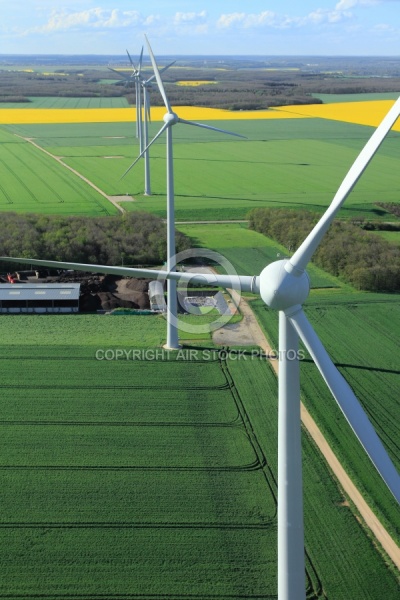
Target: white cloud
(275, 21)
(181, 18)
(249, 20)
(346, 4)
(94, 18)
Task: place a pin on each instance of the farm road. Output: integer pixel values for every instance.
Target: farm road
(249, 332)
(112, 199)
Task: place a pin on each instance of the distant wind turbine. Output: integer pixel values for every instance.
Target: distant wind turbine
(143, 107)
(134, 78)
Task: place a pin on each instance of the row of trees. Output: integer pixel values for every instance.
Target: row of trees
(361, 258)
(135, 238)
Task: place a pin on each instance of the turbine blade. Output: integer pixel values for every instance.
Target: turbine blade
(303, 254)
(241, 282)
(124, 75)
(348, 403)
(130, 59)
(158, 77)
(147, 106)
(163, 128)
(139, 69)
(150, 79)
(210, 127)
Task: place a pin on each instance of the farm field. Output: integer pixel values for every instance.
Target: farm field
(390, 236)
(363, 112)
(78, 103)
(33, 182)
(370, 97)
(160, 483)
(180, 456)
(360, 332)
(248, 251)
(302, 168)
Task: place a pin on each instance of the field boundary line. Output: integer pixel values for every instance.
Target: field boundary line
(85, 179)
(369, 518)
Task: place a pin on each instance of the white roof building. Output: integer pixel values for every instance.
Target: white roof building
(39, 298)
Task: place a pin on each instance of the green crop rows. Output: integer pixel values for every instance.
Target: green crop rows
(142, 478)
(54, 102)
(360, 332)
(294, 164)
(34, 182)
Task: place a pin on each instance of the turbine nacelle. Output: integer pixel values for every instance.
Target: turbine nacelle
(280, 289)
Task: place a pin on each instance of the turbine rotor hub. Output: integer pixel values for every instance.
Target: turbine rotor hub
(170, 118)
(280, 289)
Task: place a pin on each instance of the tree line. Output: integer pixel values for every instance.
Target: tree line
(347, 251)
(228, 88)
(134, 238)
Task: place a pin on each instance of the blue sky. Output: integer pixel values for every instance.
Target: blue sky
(253, 27)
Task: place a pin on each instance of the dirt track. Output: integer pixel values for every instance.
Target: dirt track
(251, 333)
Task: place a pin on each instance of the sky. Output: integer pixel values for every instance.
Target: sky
(207, 27)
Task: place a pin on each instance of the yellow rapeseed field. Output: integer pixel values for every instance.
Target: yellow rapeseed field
(362, 113)
(17, 116)
(195, 83)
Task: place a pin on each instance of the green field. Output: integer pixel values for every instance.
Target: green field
(360, 332)
(390, 236)
(248, 251)
(142, 479)
(333, 98)
(156, 477)
(34, 182)
(293, 164)
(53, 102)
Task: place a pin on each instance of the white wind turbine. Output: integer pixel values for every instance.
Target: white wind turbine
(135, 76)
(146, 85)
(142, 107)
(284, 286)
(170, 119)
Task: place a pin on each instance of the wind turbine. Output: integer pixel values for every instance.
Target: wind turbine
(170, 119)
(284, 286)
(142, 125)
(135, 77)
(146, 85)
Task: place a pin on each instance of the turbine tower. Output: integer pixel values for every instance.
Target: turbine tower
(284, 286)
(170, 119)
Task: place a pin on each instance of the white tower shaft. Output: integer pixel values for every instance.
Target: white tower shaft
(291, 564)
(172, 314)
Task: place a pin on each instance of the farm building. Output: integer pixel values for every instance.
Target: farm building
(39, 298)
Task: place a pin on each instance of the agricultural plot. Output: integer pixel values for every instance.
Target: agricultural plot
(79, 103)
(34, 182)
(248, 251)
(390, 236)
(360, 331)
(302, 168)
(167, 499)
(159, 482)
(335, 543)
